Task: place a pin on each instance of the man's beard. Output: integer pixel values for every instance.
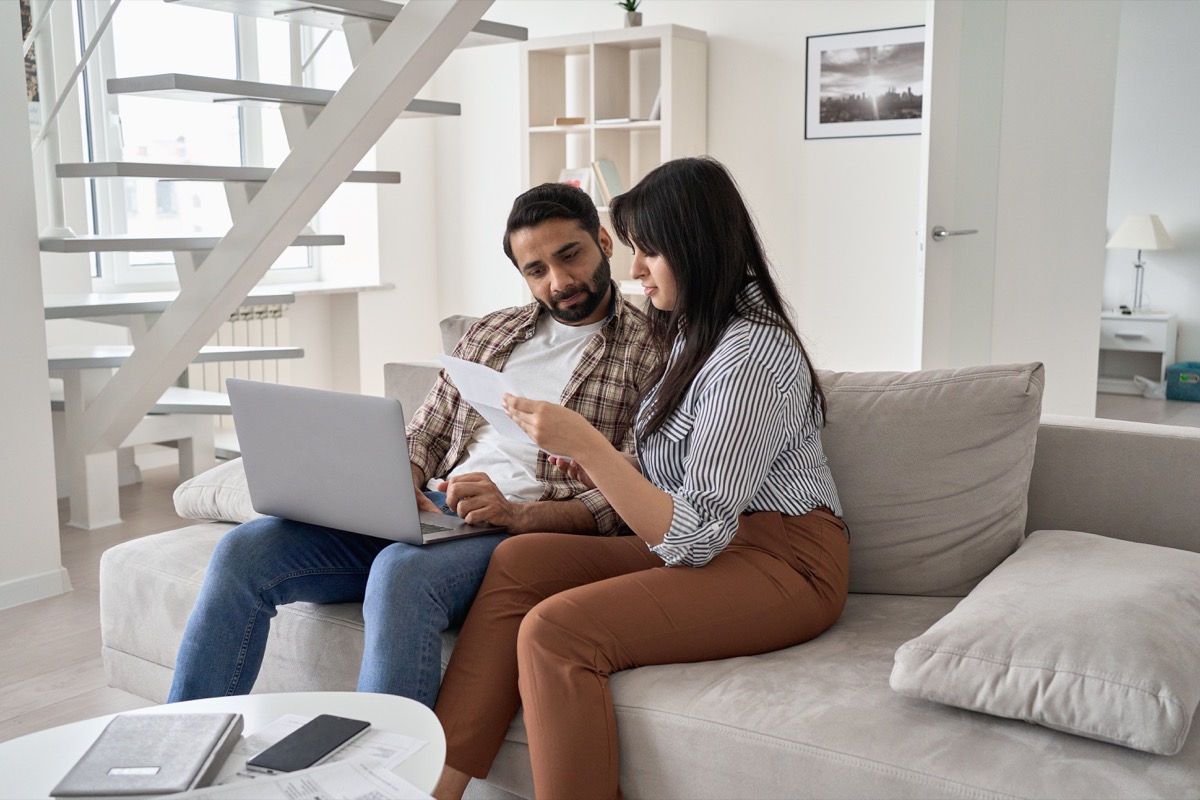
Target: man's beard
(594, 295)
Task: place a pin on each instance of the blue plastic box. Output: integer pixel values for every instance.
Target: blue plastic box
(1183, 381)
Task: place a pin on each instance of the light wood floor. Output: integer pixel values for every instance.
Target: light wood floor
(1141, 409)
(50, 668)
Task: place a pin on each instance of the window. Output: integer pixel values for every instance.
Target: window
(149, 38)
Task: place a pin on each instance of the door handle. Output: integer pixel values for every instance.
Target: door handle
(940, 233)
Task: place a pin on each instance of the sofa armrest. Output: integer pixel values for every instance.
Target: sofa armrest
(1128, 480)
(409, 382)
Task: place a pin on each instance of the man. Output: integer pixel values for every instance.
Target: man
(579, 344)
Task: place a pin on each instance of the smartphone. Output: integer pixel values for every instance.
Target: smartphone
(308, 745)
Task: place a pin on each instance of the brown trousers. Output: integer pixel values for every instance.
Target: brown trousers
(557, 614)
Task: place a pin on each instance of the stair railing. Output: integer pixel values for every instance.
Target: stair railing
(48, 88)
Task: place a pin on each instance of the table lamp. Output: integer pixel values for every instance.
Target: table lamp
(1140, 232)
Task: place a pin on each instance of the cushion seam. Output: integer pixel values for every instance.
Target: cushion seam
(928, 383)
(1133, 740)
(1023, 664)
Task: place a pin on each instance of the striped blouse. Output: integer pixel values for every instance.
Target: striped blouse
(742, 439)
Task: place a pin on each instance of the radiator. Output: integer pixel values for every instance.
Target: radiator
(248, 326)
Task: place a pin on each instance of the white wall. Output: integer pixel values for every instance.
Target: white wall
(31, 567)
(1156, 160)
(838, 216)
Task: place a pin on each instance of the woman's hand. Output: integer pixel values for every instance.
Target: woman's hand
(573, 470)
(554, 428)
(578, 473)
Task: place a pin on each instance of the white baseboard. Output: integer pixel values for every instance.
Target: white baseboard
(34, 587)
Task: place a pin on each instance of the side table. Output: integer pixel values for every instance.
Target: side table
(30, 766)
(1134, 344)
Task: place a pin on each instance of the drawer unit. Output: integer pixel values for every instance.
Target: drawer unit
(1134, 344)
(1142, 335)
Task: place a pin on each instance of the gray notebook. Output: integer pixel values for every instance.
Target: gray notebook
(152, 754)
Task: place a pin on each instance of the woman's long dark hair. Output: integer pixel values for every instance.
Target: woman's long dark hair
(689, 211)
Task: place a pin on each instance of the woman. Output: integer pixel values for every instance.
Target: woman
(739, 545)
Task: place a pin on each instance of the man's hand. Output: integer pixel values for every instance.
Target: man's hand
(475, 498)
(423, 502)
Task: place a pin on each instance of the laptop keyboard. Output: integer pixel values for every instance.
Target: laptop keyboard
(427, 527)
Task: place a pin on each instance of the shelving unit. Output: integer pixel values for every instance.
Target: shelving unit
(613, 75)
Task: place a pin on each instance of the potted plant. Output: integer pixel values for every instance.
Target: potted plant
(633, 17)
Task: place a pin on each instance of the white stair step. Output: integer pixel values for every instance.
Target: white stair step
(111, 304)
(126, 243)
(100, 356)
(175, 400)
(227, 445)
(197, 172)
(176, 86)
(332, 13)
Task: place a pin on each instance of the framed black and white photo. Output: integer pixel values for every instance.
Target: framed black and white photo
(868, 83)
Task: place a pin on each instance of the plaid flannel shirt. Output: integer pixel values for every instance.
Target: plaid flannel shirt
(605, 387)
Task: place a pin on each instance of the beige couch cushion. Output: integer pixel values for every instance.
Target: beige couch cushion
(1080, 633)
(452, 329)
(216, 494)
(932, 468)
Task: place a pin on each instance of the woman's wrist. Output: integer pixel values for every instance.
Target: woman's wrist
(594, 449)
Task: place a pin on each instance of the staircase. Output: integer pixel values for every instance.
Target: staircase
(115, 397)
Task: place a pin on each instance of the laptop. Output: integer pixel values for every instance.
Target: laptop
(334, 459)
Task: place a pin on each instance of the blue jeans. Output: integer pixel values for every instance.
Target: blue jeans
(409, 595)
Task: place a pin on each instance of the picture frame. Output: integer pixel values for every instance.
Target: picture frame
(577, 176)
(865, 83)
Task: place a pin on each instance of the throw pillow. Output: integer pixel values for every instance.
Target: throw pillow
(932, 468)
(1081, 633)
(218, 494)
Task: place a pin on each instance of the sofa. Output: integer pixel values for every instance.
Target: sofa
(1024, 616)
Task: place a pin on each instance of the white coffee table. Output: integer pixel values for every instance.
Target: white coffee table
(32, 765)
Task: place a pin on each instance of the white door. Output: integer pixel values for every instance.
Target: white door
(1017, 147)
(964, 62)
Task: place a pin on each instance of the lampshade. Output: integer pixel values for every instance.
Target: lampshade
(1141, 232)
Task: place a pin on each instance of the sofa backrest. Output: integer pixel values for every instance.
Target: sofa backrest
(932, 468)
(1128, 480)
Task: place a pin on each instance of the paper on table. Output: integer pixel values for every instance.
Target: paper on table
(340, 780)
(484, 388)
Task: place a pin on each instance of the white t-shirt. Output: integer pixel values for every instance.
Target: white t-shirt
(541, 366)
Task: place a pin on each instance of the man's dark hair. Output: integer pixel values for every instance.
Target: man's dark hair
(551, 201)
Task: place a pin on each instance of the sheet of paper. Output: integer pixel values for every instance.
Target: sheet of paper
(338, 780)
(484, 388)
(376, 747)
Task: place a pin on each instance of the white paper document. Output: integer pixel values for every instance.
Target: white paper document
(484, 388)
(339, 780)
